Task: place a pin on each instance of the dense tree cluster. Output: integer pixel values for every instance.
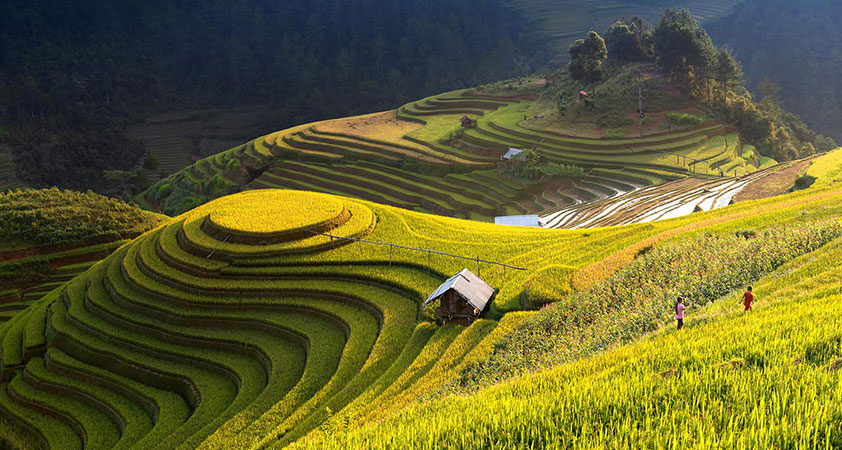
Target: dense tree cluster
(685, 52)
(586, 57)
(799, 46)
(50, 217)
(74, 74)
(630, 39)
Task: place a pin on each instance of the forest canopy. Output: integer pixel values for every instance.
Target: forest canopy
(796, 45)
(73, 75)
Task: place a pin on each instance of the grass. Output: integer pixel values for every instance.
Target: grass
(636, 299)
(827, 170)
(51, 235)
(36, 276)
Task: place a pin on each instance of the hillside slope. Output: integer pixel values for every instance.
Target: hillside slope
(234, 326)
(767, 379)
(71, 89)
(49, 236)
(802, 58)
(763, 379)
(420, 157)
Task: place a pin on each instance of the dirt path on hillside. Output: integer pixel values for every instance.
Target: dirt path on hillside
(773, 184)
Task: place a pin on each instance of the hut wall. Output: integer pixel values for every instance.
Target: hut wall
(452, 304)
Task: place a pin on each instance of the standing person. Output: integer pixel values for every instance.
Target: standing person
(679, 312)
(748, 299)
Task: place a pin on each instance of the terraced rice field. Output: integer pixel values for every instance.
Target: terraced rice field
(568, 20)
(636, 204)
(60, 267)
(420, 158)
(235, 326)
(174, 138)
(772, 375)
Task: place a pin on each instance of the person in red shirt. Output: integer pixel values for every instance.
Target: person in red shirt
(748, 299)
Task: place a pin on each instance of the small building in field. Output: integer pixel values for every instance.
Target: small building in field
(463, 296)
(583, 95)
(511, 154)
(467, 122)
(518, 221)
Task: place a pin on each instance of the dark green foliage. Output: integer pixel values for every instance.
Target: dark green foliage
(586, 56)
(163, 191)
(74, 75)
(150, 161)
(180, 199)
(684, 119)
(126, 183)
(681, 45)
(803, 182)
(711, 77)
(531, 167)
(776, 133)
(727, 69)
(796, 44)
(51, 217)
(630, 39)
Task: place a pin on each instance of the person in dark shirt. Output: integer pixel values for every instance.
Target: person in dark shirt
(679, 312)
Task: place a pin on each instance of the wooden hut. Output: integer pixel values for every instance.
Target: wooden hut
(463, 296)
(467, 122)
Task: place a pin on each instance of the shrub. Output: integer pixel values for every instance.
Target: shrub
(52, 217)
(164, 191)
(684, 119)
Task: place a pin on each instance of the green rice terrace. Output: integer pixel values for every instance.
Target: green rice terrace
(277, 317)
(176, 138)
(421, 157)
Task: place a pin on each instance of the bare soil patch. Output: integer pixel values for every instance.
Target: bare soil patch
(773, 184)
(383, 126)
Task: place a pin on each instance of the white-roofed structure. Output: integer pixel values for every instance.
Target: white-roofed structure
(511, 153)
(463, 295)
(518, 221)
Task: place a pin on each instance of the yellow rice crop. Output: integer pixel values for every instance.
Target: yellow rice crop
(271, 211)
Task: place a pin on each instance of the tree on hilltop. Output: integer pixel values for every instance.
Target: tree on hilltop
(586, 56)
(630, 40)
(727, 69)
(682, 47)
